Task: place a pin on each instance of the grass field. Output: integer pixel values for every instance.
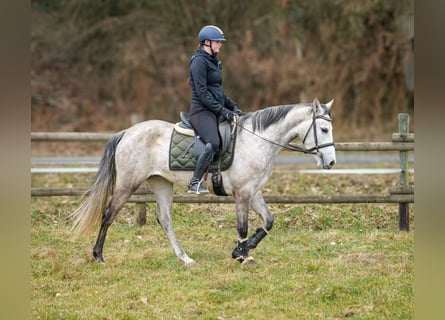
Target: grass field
(318, 262)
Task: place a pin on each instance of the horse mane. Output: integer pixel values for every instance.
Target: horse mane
(266, 117)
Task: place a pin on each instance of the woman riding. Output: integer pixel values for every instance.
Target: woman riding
(209, 101)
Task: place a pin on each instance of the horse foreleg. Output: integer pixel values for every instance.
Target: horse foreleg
(241, 251)
(259, 206)
(163, 191)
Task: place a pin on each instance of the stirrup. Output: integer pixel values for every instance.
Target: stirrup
(197, 188)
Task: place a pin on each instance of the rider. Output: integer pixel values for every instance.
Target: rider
(208, 99)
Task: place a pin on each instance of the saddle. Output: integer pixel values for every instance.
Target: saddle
(185, 148)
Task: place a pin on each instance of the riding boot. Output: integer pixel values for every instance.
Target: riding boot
(202, 164)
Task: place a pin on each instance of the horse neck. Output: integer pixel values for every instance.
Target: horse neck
(281, 133)
(292, 126)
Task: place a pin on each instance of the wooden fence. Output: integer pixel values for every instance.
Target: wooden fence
(403, 193)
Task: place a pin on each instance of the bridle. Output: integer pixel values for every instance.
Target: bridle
(314, 127)
(293, 147)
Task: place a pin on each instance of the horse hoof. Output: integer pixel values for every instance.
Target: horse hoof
(189, 263)
(99, 259)
(248, 260)
(252, 262)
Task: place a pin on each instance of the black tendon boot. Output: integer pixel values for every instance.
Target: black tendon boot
(204, 160)
(253, 241)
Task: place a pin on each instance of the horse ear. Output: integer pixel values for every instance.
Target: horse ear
(329, 104)
(316, 105)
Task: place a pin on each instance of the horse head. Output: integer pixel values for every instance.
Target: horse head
(318, 138)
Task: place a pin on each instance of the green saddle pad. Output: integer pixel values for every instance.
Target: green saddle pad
(182, 156)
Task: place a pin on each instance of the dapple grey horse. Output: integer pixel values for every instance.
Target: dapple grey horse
(141, 154)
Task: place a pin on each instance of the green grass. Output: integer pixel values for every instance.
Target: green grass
(318, 262)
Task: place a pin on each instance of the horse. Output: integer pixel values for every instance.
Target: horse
(140, 154)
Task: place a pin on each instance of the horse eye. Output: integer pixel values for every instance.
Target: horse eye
(324, 130)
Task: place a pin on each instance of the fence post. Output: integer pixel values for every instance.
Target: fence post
(141, 214)
(403, 178)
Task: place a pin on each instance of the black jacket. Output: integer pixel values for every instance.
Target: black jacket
(206, 83)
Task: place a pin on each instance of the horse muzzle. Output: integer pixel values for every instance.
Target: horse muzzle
(325, 162)
(329, 165)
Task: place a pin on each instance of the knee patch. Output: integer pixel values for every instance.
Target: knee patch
(209, 151)
(212, 146)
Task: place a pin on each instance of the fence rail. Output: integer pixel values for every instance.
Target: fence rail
(399, 143)
(144, 196)
(403, 193)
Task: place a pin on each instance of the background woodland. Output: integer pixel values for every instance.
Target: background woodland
(101, 65)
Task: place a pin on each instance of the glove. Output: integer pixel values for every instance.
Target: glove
(227, 114)
(237, 110)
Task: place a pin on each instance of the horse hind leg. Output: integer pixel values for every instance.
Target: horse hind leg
(119, 198)
(163, 191)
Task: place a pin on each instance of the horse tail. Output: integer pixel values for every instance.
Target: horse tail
(88, 216)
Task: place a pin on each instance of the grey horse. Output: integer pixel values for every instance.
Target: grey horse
(141, 154)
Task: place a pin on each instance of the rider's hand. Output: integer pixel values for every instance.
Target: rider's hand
(227, 114)
(237, 111)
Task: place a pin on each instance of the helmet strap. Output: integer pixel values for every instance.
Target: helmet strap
(211, 49)
(210, 46)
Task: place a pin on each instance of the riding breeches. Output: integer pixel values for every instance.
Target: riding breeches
(206, 126)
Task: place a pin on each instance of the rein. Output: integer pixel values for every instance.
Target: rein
(294, 147)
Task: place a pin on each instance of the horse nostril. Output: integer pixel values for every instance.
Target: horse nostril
(332, 163)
